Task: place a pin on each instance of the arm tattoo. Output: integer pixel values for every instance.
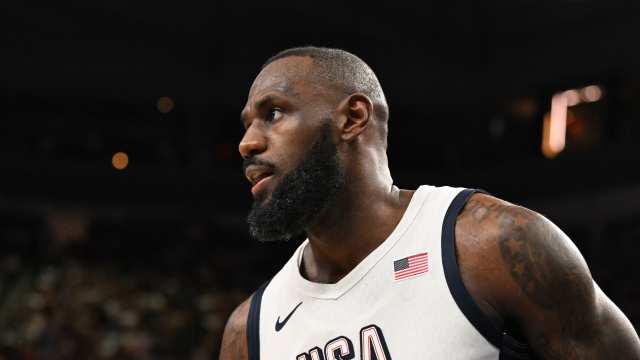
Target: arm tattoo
(541, 263)
(552, 296)
(524, 260)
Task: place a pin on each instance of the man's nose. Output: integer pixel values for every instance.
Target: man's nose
(253, 143)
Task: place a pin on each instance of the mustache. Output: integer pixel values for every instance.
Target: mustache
(255, 161)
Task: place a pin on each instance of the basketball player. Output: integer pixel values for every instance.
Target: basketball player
(387, 273)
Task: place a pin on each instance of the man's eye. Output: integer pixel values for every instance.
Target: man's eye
(274, 114)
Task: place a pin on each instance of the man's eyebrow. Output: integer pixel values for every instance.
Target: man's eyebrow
(265, 100)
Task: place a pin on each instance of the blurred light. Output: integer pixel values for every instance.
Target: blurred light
(120, 160)
(576, 128)
(572, 96)
(165, 104)
(546, 125)
(558, 126)
(555, 127)
(525, 107)
(591, 93)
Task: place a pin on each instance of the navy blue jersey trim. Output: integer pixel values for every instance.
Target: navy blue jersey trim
(253, 324)
(452, 273)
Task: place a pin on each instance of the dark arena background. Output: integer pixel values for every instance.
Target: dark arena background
(123, 203)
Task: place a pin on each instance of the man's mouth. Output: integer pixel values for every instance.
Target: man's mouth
(258, 176)
(260, 185)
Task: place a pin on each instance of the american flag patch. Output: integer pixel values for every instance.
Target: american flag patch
(411, 266)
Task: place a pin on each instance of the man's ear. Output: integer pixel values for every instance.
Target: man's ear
(355, 113)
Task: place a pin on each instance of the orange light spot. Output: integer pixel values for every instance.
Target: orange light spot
(165, 104)
(120, 160)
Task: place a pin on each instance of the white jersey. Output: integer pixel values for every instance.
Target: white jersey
(405, 300)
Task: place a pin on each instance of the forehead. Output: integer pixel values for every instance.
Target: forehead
(289, 75)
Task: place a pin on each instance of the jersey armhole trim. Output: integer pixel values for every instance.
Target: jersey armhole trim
(253, 324)
(452, 272)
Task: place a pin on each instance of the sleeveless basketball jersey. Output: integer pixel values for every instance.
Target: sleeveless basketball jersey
(405, 300)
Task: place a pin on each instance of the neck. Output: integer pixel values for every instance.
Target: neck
(364, 215)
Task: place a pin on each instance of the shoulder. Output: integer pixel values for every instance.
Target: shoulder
(234, 340)
(521, 267)
(526, 255)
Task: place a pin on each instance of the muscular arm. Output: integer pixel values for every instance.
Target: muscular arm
(234, 340)
(523, 269)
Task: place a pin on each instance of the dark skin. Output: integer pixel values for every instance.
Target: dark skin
(526, 273)
(521, 269)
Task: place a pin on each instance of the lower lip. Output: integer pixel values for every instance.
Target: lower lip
(260, 185)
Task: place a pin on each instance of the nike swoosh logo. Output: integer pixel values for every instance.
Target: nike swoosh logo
(280, 325)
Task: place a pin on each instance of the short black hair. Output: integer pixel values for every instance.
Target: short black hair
(343, 69)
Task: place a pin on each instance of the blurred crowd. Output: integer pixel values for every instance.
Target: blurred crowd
(75, 310)
(129, 298)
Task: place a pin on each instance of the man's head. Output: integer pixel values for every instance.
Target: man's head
(311, 117)
(341, 71)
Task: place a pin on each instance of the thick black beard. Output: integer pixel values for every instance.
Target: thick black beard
(301, 195)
